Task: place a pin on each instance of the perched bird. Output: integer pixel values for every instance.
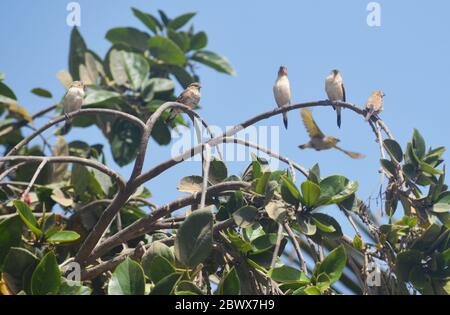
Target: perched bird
(282, 91)
(189, 97)
(374, 104)
(318, 140)
(334, 86)
(72, 102)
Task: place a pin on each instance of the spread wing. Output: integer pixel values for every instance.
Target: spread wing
(310, 124)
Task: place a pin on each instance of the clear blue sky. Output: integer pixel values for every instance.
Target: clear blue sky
(408, 57)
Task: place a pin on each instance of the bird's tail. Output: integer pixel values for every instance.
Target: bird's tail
(369, 114)
(66, 128)
(304, 146)
(285, 120)
(338, 114)
(353, 155)
(172, 115)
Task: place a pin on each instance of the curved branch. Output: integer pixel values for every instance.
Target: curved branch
(58, 119)
(68, 159)
(138, 165)
(146, 224)
(155, 171)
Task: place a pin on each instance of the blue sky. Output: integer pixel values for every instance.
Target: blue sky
(408, 57)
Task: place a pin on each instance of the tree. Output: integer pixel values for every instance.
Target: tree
(258, 233)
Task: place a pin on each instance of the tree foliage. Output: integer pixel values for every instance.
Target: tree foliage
(259, 232)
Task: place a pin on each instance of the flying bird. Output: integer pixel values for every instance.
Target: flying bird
(374, 104)
(334, 86)
(189, 97)
(318, 140)
(282, 91)
(72, 101)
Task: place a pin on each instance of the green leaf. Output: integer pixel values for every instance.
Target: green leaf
(406, 261)
(333, 265)
(27, 216)
(194, 238)
(427, 168)
(323, 282)
(161, 133)
(7, 93)
(187, 286)
(166, 50)
(76, 53)
(124, 139)
(230, 284)
(335, 189)
(149, 20)
(42, 92)
(18, 261)
(128, 36)
(157, 248)
(63, 237)
(328, 225)
(180, 21)
(418, 144)
(394, 149)
(128, 68)
(10, 235)
(264, 243)
(101, 97)
(289, 192)
(214, 61)
(306, 225)
(245, 216)
(183, 77)
(167, 285)
(69, 287)
(190, 184)
(389, 167)
(310, 192)
(79, 179)
(287, 274)
(46, 277)
(262, 182)
(442, 205)
(127, 279)
(159, 268)
(217, 171)
(312, 290)
(199, 41)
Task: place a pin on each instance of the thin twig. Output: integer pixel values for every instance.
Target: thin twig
(207, 159)
(33, 179)
(277, 246)
(297, 247)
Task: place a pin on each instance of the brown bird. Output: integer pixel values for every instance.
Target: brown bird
(282, 91)
(72, 101)
(189, 97)
(318, 140)
(374, 104)
(334, 86)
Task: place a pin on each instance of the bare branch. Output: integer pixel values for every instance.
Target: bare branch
(33, 179)
(68, 159)
(145, 224)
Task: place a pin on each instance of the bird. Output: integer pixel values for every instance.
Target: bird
(72, 101)
(318, 140)
(282, 91)
(334, 86)
(374, 104)
(189, 97)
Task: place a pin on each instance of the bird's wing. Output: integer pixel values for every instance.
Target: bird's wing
(353, 155)
(344, 97)
(310, 124)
